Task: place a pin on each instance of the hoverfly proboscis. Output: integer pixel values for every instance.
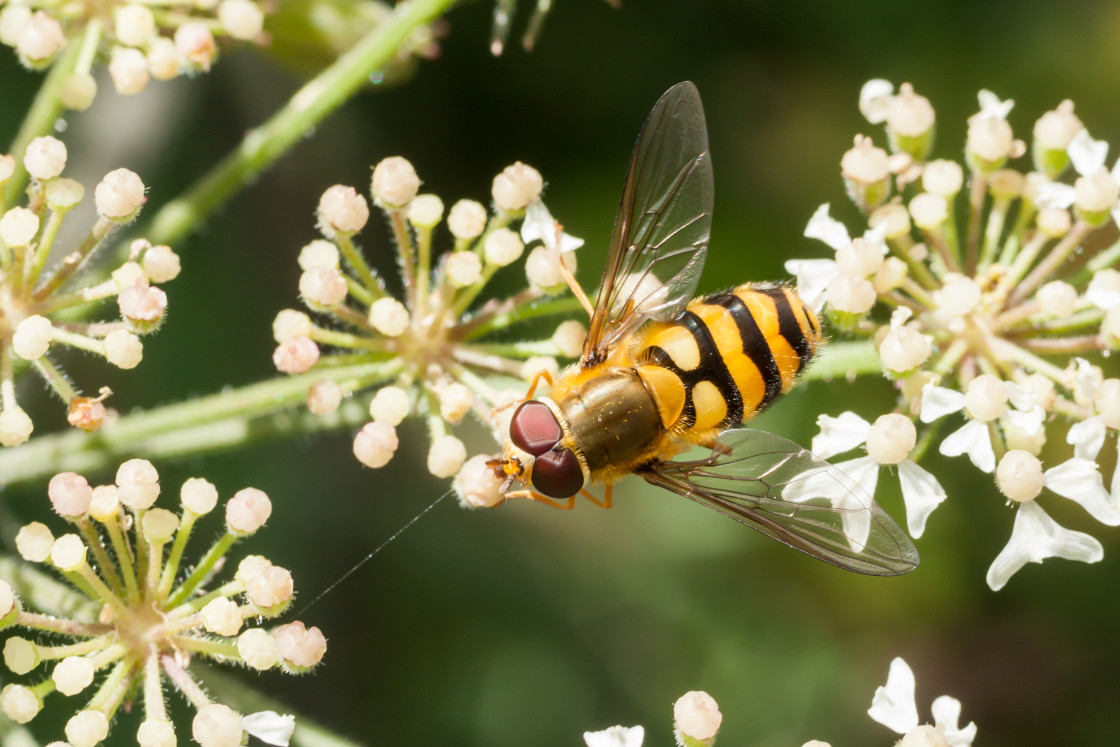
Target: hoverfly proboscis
(662, 372)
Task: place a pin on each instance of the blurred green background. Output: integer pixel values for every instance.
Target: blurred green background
(524, 625)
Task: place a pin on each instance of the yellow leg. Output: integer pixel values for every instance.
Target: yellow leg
(532, 494)
(542, 374)
(569, 278)
(605, 503)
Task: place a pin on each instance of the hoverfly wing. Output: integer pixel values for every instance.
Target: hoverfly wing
(664, 219)
(773, 485)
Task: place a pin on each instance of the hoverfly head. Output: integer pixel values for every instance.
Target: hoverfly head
(534, 441)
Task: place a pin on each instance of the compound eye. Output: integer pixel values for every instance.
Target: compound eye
(557, 474)
(534, 429)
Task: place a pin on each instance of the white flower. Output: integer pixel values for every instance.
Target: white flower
(814, 275)
(921, 492)
(874, 98)
(991, 106)
(616, 736)
(1036, 537)
(974, 437)
(1088, 157)
(893, 706)
(270, 727)
(539, 224)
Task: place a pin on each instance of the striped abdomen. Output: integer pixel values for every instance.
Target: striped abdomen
(726, 357)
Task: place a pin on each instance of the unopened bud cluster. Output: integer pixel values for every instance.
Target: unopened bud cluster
(38, 290)
(986, 291)
(149, 611)
(427, 352)
(138, 41)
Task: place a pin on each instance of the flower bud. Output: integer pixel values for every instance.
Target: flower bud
(1019, 476)
(446, 456)
(394, 182)
(119, 195)
(342, 209)
(866, 171)
(467, 220)
(295, 356)
(45, 158)
(375, 444)
(389, 405)
(247, 511)
(516, 187)
(477, 485)
(891, 438)
(425, 211)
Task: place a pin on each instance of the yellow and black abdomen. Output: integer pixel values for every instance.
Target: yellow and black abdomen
(726, 357)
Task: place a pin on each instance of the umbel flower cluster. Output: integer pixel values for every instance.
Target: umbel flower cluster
(140, 40)
(145, 618)
(427, 351)
(41, 286)
(988, 292)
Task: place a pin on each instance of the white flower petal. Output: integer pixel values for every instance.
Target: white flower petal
(829, 230)
(921, 493)
(1087, 378)
(877, 236)
(1100, 295)
(1028, 421)
(938, 401)
(813, 277)
(973, 439)
(1054, 196)
(947, 712)
(838, 434)
(540, 225)
(1088, 155)
(893, 705)
(616, 736)
(1022, 397)
(1036, 537)
(270, 727)
(991, 106)
(1087, 438)
(1081, 482)
(873, 99)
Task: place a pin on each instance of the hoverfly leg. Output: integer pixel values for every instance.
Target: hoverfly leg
(607, 493)
(569, 503)
(542, 374)
(569, 278)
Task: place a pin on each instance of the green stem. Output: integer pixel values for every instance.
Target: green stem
(519, 311)
(204, 568)
(262, 146)
(843, 359)
(215, 422)
(44, 112)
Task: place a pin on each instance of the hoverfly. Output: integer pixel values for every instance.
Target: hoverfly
(661, 373)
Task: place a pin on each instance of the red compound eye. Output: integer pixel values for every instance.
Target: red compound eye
(534, 428)
(557, 474)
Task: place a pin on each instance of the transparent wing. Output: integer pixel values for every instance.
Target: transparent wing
(773, 485)
(664, 220)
